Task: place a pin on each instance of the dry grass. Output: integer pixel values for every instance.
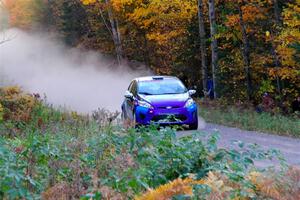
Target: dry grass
(268, 185)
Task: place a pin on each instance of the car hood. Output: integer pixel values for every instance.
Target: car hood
(168, 100)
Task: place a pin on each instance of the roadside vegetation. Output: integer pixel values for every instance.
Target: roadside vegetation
(245, 117)
(49, 154)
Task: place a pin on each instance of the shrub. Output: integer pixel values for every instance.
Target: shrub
(89, 161)
(267, 185)
(17, 105)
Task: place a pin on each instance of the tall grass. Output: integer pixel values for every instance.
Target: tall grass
(251, 120)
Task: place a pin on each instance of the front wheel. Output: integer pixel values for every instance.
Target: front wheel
(193, 126)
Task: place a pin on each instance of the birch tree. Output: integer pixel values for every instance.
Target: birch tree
(113, 27)
(3, 36)
(114, 24)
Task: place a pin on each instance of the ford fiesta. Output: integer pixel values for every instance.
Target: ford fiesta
(161, 100)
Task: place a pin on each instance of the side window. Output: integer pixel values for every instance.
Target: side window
(130, 87)
(134, 89)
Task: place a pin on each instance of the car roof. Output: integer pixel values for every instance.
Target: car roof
(150, 78)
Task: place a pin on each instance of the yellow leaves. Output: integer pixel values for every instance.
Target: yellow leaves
(290, 69)
(9, 92)
(24, 13)
(216, 183)
(288, 73)
(219, 188)
(291, 33)
(119, 5)
(159, 12)
(270, 186)
(88, 2)
(286, 54)
(265, 185)
(251, 13)
(232, 20)
(163, 19)
(163, 38)
(18, 106)
(285, 73)
(171, 189)
(291, 15)
(253, 176)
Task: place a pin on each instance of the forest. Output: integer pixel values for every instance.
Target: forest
(236, 51)
(245, 48)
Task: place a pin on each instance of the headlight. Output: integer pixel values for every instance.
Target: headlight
(189, 103)
(145, 104)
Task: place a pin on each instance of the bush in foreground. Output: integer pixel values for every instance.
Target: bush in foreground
(87, 162)
(56, 155)
(216, 186)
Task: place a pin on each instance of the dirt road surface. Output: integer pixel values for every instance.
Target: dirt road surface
(289, 147)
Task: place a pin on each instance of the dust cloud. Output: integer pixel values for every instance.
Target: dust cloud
(70, 78)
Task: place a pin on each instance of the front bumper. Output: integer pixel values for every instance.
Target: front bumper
(173, 116)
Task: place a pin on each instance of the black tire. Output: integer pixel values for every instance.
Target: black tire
(193, 126)
(123, 116)
(134, 124)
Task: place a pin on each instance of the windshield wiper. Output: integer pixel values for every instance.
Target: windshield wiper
(145, 93)
(172, 93)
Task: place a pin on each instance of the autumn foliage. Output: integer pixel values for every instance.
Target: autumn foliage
(15, 105)
(258, 40)
(265, 186)
(24, 13)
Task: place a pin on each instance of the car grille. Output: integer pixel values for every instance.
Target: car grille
(169, 118)
(168, 107)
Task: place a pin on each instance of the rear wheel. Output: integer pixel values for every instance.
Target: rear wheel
(123, 116)
(124, 119)
(134, 124)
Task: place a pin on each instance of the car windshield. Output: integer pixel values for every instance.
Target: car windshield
(161, 87)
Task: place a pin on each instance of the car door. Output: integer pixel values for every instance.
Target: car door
(129, 102)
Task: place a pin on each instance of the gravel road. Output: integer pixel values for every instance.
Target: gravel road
(289, 147)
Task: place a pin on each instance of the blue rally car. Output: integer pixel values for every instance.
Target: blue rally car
(163, 100)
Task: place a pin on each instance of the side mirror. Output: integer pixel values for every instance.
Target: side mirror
(128, 95)
(192, 92)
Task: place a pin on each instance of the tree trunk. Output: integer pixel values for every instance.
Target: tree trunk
(214, 44)
(246, 53)
(115, 33)
(202, 44)
(276, 12)
(274, 53)
(146, 53)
